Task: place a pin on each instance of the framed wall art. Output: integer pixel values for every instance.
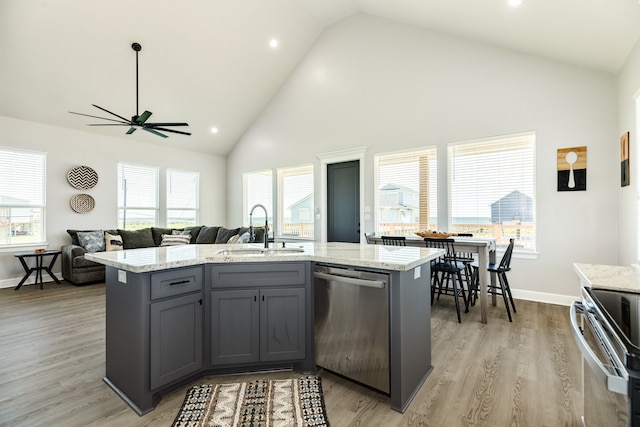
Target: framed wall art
(572, 169)
(624, 160)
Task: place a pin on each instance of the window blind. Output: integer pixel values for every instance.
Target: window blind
(296, 202)
(22, 196)
(492, 189)
(182, 198)
(258, 189)
(406, 192)
(137, 196)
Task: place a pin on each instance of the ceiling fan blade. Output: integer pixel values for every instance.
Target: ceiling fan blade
(168, 130)
(107, 124)
(131, 130)
(154, 132)
(101, 118)
(113, 114)
(166, 124)
(144, 117)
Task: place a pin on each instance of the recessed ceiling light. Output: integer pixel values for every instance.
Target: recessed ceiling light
(515, 3)
(273, 43)
(214, 130)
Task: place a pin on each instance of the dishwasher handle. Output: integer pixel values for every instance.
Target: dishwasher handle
(378, 284)
(615, 383)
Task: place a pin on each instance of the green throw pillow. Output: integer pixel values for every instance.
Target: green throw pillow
(137, 238)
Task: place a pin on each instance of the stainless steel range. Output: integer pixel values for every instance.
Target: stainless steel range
(606, 327)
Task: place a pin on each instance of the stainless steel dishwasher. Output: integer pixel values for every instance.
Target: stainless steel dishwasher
(352, 324)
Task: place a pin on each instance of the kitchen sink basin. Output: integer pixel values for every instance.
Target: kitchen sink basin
(259, 251)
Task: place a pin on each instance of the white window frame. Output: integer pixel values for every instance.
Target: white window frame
(154, 186)
(303, 232)
(18, 182)
(182, 187)
(494, 173)
(405, 157)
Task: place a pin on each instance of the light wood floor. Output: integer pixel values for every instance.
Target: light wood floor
(525, 373)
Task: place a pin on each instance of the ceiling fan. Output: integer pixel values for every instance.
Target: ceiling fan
(138, 121)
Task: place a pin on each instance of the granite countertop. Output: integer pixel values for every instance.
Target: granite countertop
(611, 277)
(395, 258)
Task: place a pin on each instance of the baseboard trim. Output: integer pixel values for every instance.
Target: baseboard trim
(544, 297)
(12, 283)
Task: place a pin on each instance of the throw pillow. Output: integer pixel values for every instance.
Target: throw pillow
(137, 239)
(181, 233)
(175, 239)
(233, 239)
(113, 242)
(195, 231)
(92, 241)
(207, 235)
(244, 238)
(224, 234)
(157, 233)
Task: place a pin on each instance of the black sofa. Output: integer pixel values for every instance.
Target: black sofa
(80, 271)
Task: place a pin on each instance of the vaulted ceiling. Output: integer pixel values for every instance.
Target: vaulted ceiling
(210, 63)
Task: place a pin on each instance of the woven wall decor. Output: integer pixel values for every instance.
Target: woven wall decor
(82, 177)
(82, 203)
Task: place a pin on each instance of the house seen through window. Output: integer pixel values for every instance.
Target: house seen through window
(492, 189)
(406, 192)
(295, 202)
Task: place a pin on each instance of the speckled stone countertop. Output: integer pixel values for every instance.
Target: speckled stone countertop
(613, 277)
(395, 258)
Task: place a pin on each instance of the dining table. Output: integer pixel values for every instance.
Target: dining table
(485, 247)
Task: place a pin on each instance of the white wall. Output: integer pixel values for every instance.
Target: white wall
(628, 91)
(388, 86)
(68, 148)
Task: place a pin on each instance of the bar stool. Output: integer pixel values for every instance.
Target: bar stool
(394, 240)
(446, 273)
(501, 271)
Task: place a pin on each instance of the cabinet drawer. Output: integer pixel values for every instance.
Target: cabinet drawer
(258, 274)
(176, 282)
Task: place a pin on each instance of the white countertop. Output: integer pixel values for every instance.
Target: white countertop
(613, 277)
(144, 260)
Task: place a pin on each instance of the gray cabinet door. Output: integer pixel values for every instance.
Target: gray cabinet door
(235, 326)
(176, 339)
(282, 324)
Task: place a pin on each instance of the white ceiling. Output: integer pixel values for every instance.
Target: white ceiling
(208, 62)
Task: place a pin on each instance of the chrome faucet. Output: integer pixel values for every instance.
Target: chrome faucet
(252, 235)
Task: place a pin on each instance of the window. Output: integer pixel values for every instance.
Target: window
(407, 192)
(492, 189)
(258, 189)
(22, 197)
(295, 202)
(137, 196)
(182, 198)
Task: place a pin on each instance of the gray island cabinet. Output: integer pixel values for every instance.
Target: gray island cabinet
(175, 314)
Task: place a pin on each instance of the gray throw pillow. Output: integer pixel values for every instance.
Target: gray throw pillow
(224, 234)
(207, 235)
(137, 238)
(157, 233)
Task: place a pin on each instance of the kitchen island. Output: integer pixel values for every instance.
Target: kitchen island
(175, 314)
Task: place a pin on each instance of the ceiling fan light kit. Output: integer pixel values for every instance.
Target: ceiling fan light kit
(138, 121)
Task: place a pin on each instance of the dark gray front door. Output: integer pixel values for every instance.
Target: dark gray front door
(343, 202)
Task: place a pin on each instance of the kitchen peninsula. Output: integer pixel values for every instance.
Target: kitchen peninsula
(174, 314)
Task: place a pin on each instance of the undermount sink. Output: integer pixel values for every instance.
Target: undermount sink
(259, 251)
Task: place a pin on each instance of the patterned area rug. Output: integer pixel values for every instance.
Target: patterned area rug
(262, 403)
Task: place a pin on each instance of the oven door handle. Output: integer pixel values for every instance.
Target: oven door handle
(616, 383)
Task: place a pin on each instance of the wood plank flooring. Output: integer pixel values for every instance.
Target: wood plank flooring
(525, 373)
